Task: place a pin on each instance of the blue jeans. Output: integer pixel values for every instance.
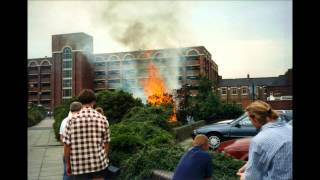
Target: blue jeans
(65, 176)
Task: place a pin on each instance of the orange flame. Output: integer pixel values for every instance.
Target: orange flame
(156, 91)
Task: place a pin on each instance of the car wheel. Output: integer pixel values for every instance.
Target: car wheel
(214, 140)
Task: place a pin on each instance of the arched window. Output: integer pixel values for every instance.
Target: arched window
(45, 63)
(67, 54)
(114, 58)
(128, 57)
(33, 64)
(193, 52)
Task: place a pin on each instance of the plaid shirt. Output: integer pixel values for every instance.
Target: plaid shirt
(86, 133)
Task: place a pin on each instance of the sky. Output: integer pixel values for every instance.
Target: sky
(243, 37)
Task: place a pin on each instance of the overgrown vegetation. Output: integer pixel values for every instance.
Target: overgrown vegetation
(35, 114)
(116, 104)
(141, 136)
(208, 106)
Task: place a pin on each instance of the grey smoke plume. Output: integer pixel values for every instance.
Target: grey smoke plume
(142, 26)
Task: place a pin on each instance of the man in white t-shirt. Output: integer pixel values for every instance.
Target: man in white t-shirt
(75, 107)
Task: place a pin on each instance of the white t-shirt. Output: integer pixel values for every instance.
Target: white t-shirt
(64, 123)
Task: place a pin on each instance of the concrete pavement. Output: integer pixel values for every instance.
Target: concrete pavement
(44, 152)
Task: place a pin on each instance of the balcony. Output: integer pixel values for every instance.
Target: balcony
(46, 88)
(192, 63)
(33, 97)
(33, 80)
(193, 73)
(33, 72)
(114, 76)
(45, 80)
(33, 89)
(99, 68)
(45, 71)
(100, 86)
(45, 97)
(99, 77)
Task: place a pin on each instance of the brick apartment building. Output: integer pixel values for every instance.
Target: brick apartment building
(275, 90)
(73, 67)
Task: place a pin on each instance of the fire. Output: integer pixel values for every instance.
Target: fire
(156, 91)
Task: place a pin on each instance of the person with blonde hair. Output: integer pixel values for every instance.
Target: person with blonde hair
(196, 164)
(270, 151)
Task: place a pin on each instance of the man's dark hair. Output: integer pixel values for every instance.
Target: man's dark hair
(87, 96)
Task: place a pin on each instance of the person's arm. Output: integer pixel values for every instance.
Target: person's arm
(66, 149)
(106, 138)
(106, 148)
(255, 165)
(209, 169)
(67, 158)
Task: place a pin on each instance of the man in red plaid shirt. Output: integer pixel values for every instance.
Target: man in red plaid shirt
(86, 141)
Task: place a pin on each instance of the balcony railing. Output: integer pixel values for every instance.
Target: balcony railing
(100, 77)
(33, 80)
(35, 89)
(33, 97)
(33, 72)
(192, 62)
(46, 88)
(99, 86)
(45, 71)
(45, 97)
(114, 76)
(45, 79)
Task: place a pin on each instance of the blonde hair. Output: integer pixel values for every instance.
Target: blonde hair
(261, 110)
(200, 140)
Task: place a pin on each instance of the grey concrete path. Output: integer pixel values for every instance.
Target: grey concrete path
(44, 152)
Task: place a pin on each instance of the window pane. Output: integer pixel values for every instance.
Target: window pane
(67, 64)
(67, 92)
(67, 73)
(67, 83)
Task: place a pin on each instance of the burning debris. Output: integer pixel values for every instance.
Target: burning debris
(156, 91)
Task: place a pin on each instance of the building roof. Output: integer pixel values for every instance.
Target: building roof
(263, 81)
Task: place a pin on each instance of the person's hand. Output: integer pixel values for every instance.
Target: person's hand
(242, 169)
(68, 169)
(241, 175)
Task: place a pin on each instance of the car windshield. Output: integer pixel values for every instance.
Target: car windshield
(239, 118)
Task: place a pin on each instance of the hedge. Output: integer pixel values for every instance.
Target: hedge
(35, 114)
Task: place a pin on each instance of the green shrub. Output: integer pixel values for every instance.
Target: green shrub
(128, 138)
(158, 116)
(116, 104)
(35, 115)
(141, 164)
(225, 167)
(230, 111)
(59, 113)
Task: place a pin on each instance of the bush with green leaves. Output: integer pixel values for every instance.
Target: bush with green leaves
(140, 165)
(225, 167)
(116, 104)
(35, 114)
(208, 106)
(230, 111)
(59, 113)
(128, 138)
(157, 116)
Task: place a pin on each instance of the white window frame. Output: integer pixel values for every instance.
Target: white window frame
(224, 88)
(232, 88)
(246, 88)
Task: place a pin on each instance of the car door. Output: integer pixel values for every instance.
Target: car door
(243, 128)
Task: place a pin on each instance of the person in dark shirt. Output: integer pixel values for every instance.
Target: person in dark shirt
(196, 164)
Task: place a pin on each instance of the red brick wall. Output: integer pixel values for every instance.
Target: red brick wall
(281, 105)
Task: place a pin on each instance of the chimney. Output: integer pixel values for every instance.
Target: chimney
(248, 76)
